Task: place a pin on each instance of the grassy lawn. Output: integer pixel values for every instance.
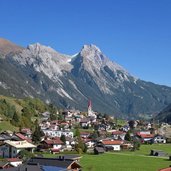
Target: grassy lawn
(122, 162)
(125, 161)
(145, 149)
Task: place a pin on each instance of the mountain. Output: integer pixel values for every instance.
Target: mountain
(7, 47)
(164, 115)
(70, 81)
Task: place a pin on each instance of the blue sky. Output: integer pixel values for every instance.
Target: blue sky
(134, 33)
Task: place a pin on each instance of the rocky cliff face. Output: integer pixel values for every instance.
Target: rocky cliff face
(69, 81)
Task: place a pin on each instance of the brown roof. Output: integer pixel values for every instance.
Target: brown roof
(112, 142)
(54, 141)
(22, 137)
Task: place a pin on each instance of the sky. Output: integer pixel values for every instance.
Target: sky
(134, 33)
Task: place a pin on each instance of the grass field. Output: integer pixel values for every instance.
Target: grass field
(122, 162)
(126, 161)
(145, 149)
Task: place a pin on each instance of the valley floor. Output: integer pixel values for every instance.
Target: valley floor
(127, 161)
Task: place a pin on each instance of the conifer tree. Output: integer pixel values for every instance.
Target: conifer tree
(38, 133)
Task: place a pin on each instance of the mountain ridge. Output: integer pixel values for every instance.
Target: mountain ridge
(6, 47)
(69, 81)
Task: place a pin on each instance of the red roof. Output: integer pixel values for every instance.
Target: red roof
(54, 141)
(112, 142)
(145, 135)
(64, 123)
(22, 137)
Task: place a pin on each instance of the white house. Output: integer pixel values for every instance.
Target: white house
(57, 133)
(116, 144)
(53, 143)
(10, 149)
(118, 135)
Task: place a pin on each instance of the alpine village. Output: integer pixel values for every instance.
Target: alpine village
(61, 113)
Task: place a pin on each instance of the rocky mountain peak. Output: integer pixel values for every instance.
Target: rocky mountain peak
(6, 47)
(90, 51)
(92, 54)
(39, 48)
(91, 47)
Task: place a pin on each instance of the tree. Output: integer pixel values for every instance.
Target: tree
(25, 122)
(52, 109)
(24, 154)
(37, 134)
(80, 145)
(6, 108)
(131, 124)
(77, 132)
(60, 117)
(53, 117)
(28, 112)
(63, 139)
(128, 136)
(136, 145)
(15, 119)
(95, 135)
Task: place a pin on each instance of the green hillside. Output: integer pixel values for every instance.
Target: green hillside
(18, 113)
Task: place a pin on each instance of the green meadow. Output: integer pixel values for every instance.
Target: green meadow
(127, 161)
(120, 162)
(139, 160)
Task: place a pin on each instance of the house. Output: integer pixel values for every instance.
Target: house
(118, 135)
(69, 143)
(53, 144)
(66, 164)
(85, 122)
(4, 136)
(89, 142)
(115, 144)
(10, 149)
(26, 168)
(84, 134)
(15, 161)
(127, 145)
(57, 133)
(145, 137)
(26, 132)
(99, 150)
(22, 137)
(159, 139)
